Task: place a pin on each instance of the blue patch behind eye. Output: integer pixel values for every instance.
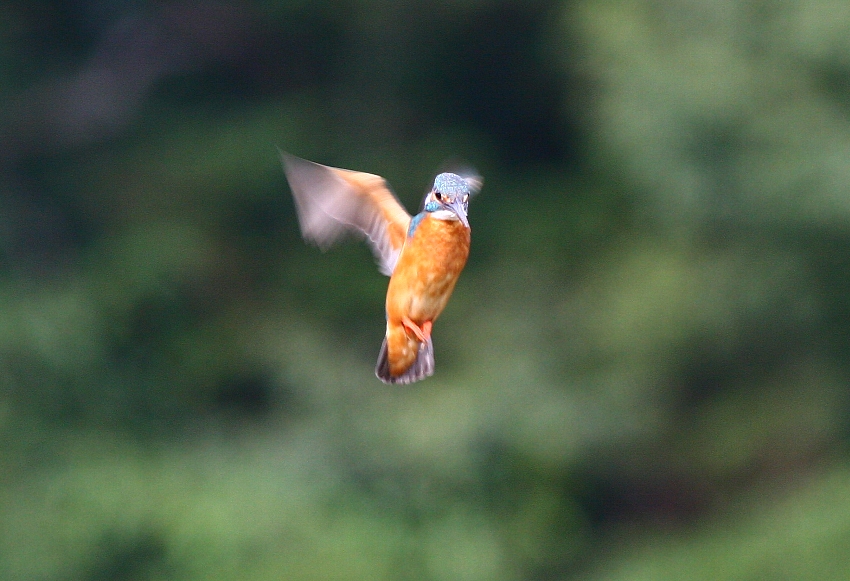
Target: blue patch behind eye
(414, 223)
(433, 206)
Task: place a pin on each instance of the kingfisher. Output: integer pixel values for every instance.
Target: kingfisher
(423, 254)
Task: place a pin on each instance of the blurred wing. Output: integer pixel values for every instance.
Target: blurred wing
(473, 180)
(332, 201)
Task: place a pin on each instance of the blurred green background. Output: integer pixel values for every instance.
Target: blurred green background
(642, 374)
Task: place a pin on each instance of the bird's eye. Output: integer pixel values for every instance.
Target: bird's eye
(438, 195)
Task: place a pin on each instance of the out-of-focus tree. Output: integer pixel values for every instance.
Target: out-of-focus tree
(650, 338)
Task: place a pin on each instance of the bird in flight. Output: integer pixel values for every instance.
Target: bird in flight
(423, 254)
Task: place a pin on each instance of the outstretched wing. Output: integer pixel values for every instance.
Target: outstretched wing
(332, 201)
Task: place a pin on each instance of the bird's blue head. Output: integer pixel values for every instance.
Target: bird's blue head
(449, 198)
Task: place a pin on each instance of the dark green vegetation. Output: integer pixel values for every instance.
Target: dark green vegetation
(643, 372)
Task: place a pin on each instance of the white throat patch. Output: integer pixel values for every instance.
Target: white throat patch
(444, 215)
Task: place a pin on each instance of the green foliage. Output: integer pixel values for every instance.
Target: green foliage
(641, 375)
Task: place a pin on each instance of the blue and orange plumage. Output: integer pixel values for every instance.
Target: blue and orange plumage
(423, 255)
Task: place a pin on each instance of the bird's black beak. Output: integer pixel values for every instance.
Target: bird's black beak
(456, 206)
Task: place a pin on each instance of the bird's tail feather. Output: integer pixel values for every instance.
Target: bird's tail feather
(422, 367)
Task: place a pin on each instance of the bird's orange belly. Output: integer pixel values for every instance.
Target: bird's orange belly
(421, 284)
(427, 271)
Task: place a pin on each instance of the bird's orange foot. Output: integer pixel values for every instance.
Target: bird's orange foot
(422, 333)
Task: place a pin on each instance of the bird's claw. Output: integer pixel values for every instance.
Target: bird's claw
(422, 333)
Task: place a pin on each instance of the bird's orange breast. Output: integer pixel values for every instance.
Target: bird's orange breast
(427, 270)
(422, 282)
